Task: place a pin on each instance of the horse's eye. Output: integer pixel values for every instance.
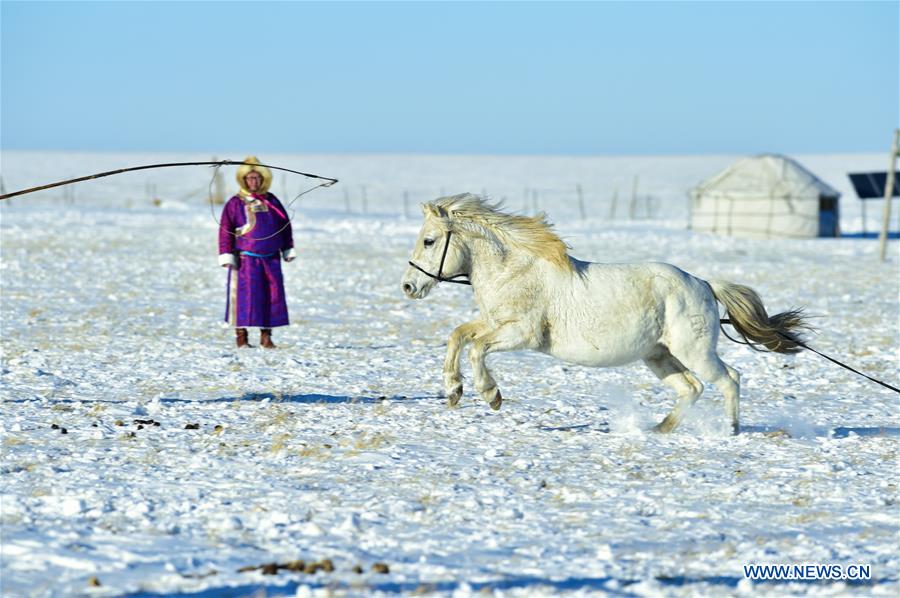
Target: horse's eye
(429, 242)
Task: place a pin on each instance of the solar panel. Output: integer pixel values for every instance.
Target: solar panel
(870, 185)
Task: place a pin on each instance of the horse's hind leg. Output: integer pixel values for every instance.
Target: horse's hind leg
(732, 394)
(692, 341)
(712, 369)
(674, 375)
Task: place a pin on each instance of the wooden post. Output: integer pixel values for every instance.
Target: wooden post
(632, 207)
(612, 205)
(889, 194)
(690, 210)
(731, 212)
(218, 188)
(580, 200)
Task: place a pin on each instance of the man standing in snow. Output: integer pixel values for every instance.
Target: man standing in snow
(254, 234)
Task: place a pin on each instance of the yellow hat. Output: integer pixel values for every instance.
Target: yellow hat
(252, 165)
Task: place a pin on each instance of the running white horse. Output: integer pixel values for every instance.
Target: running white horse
(532, 295)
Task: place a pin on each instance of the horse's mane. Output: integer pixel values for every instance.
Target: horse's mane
(533, 234)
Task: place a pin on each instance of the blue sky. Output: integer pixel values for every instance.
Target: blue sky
(458, 77)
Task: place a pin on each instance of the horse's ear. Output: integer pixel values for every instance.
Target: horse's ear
(429, 209)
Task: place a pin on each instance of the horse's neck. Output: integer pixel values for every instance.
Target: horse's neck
(499, 275)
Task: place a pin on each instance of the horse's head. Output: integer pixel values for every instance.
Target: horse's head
(437, 255)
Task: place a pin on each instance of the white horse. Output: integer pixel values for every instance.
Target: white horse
(532, 295)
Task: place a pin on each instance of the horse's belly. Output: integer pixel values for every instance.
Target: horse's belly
(602, 341)
(613, 319)
(607, 354)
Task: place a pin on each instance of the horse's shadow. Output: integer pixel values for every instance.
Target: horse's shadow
(599, 427)
(609, 586)
(306, 399)
(823, 431)
(411, 587)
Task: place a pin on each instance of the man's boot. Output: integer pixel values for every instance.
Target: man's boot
(242, 340)
(265, 338)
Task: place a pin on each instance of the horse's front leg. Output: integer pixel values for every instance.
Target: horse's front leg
(452, 379)
(509, 337)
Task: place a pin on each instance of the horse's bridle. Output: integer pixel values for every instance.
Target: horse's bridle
(440, 275)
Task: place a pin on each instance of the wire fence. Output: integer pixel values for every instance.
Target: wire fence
(576, 201)
(561, 203)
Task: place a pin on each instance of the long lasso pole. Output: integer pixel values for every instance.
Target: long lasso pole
(328, 180)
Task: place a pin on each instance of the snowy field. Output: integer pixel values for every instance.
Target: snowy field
(142, 454)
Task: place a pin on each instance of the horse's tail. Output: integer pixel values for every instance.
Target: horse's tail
(779, 333)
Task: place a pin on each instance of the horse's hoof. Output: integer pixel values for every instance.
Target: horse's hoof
(454, 395)
(665, 426)
(498, 400)
(735, 429)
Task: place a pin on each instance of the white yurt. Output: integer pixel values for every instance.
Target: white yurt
(765, 196)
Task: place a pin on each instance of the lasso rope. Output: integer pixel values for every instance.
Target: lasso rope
(328, 180)
(754, 346)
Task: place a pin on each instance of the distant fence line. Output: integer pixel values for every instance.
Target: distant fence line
(575, 201)
(571, 202)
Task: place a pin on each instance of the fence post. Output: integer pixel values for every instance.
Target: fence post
(632, 207)
(613, 202)
(889, 194)
(219, 187)
(580, 200)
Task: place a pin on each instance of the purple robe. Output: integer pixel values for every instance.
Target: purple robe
(256, 233)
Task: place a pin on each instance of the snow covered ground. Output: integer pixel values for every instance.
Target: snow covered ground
(338, 445)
